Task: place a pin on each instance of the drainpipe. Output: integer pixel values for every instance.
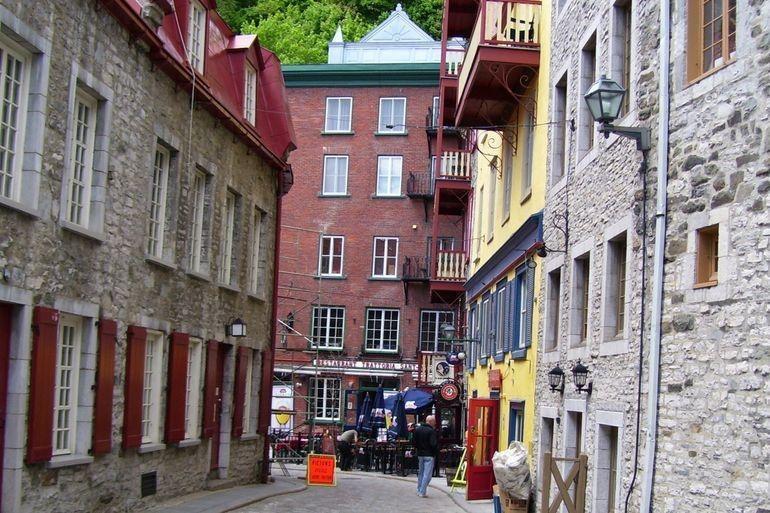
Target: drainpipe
(660, 246)
(266, 387)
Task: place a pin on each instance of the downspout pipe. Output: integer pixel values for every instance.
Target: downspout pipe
(268, 356)
(656, 313)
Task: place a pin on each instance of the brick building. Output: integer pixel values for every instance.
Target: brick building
(143, 157)
(357, 277)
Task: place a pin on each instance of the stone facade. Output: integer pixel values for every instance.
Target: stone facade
(104, 272)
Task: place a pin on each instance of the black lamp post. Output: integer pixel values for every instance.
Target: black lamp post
(556, 379)
(580, 377)
(605, 99)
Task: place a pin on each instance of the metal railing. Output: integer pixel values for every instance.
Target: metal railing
(450, 265)
(415, 268)
(419, 184)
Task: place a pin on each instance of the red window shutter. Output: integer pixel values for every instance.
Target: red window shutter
(132, 407)
(209, 388)
(42, 384)
(177, 387)
(105, 381)
(239, 394)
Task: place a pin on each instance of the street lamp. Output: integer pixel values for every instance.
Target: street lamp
(605, 99)
(448, 331)
(556, 379)
(235, 328)
(580, 376)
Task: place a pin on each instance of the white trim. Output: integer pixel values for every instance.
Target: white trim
(151, 407)
(255, 253)
(22, 58)
(328, 271)
(326, 190)
(338, 130)
(248, 426)
(398, 128)
(193, 388)
(226, 274)
(392, 178)
(324, 400)
(385, 257)
(196, 35)
(325, 317)
(379, 329)
(78, 185)
(67, 378)
(199, 185)
(158, 201)
(249, 93)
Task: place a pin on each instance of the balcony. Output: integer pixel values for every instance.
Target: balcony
(415, 268)
(453, 182)
(455, 165)
(501, 62)
(450, 265)
(419, 185)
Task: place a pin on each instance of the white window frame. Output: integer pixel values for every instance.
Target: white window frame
(82, 149)
(156, 228)
(492, 190)
(69, 409)
(384, 257)
(326, 407)
(553, 298)
(198, 195)
(250, 94)
(329, 186)
(527, 158)
(341, 128)
(152, 382)
(226, 274)
(377, 345)
(324, 313)
(399, 125)
(15, 147)
(254, 257)
(437, 345)
(328, 271)
(247, 427)
(193, 389)
(196, 36)
(386, 171)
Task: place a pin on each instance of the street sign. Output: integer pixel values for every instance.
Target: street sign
(321, 470)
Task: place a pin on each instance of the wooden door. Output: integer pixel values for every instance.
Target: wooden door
(5, 347)
(217, 434)
(483, 415)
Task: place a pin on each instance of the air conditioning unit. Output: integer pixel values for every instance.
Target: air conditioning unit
(439, 370)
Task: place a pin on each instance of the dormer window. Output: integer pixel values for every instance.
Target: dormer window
(250, 95)
(196, 35)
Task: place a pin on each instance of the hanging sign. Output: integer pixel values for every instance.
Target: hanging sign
(449, 391)
(321, 470)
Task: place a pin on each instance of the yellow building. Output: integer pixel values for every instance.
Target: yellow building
(502, 96)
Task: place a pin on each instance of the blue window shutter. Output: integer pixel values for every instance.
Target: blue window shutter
(530, 298)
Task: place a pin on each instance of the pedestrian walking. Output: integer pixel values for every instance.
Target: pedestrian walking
(347, 439)
(426, 447)
(328, 443)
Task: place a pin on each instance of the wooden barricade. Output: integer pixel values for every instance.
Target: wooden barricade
(576, 474)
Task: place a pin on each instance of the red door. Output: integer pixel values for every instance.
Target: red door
(216, 436)
(483, 415)
(5, 347)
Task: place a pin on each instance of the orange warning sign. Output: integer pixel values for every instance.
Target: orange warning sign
(321, 470)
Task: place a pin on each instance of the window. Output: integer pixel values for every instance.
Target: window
(389, 176)
(13, 101)
(607, 469)
(158, 197)
(501, 335)
(228, 235)
(561, 130)
(247, 424)
(615, 293)
(196, 36)
(522, 306)
(574, 434)
(328, 328)
(710, 35)
(81, 159)
(485, 319)
(553, 308)
(478, 220)
(432, 167)
(331, 255)
(430, 330)
(325, 396)
(385, 257)
(621, 49)
(581, 281)
(338, 114)
(516, 422)
(492, 191)
(68, 349)
(446, 243)
(471, 350)
(546, 442)
(507, 176)
(198, 220)
(707, 256)
(250, 95)
(151, 387)
(392, 116)
(526, 160)
(382, 329)
(587, 77)
(434, 112)
(335, 181)
(193, 389)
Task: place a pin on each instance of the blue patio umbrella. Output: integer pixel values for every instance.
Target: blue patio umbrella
(363, 423)
(415, 400)
(378, 411)
(398, 428)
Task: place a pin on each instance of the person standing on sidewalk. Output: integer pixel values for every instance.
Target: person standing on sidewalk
(347, 439)
(426, 446)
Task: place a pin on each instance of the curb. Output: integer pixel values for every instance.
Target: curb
(247, 502)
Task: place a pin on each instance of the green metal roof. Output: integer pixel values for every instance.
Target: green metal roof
(361, 75)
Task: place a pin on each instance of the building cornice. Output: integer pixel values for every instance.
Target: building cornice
(361, 75)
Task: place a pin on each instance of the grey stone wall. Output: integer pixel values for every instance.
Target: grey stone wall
(714, 443)
(51, 263)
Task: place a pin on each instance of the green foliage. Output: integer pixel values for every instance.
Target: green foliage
(299, 30)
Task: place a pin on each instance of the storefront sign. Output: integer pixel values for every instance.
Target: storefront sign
(321, 470)
(449, 391)
(366, 365)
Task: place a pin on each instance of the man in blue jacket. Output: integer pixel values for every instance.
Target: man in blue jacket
(426, 446)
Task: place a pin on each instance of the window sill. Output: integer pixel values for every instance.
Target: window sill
(249, 437)
(165, 264)
(709, 73)
(19, 207)
(347, 132)
(381, 196)
(68, 461)
(490, 239)
(229, 288)
(499, 357)
(151, 447)
(519, 354)
(330, 277)
(587, 158)
(406, 132)
(327, 349)
(505, 221)
(255, 297)
(525, 197)
(198, 276)
(384, 278)
(83, 232)
(614, 347)
(333, 196)
(705, 284)
(380, 351)
(190, 442)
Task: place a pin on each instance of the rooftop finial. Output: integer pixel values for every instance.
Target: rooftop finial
(338, 35)
(398, 7)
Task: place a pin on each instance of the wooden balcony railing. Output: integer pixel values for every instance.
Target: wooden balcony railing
(456, 165)
(453, 62)
(511, 22)
(450, 265)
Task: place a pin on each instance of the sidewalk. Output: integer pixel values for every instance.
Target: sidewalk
(232, 498)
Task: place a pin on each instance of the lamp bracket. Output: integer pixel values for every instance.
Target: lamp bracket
(639, 134)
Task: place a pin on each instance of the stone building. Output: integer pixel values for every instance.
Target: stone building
(143, 156)
(358, 282)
